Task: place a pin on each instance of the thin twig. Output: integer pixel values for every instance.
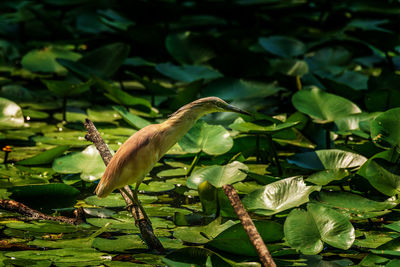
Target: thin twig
(144, 225)
(248, 226)
(12, 205)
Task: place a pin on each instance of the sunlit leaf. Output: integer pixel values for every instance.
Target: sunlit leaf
(279, 196)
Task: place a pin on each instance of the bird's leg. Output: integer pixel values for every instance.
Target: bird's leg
(132, 195)
(135, 196)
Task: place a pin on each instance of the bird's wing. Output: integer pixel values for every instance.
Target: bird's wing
(135, 151)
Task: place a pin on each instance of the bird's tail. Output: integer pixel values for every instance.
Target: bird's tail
(103, 189)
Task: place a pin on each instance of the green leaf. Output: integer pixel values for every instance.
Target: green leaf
(116, 200)
(121, 97)
(307, 230)
(188, 48)
(351, 202)
(218, 175)
(233, 89)
(156, 186)
(248, 127)
(383, 175)
(385, 128)
(289, 66)
(327, 159)
(321, 106)
(10, 114)
(102, 114)
(45, 157)
(88, 163)
(202, 234)
(66, 88)
(188, 73)
(235, 239)
(327, 176)
(119, 243)
(211, 139)
(64, 255)
(282, 46)
(44, 60)
(106, 60)
(48, 190)
(132, 119)
(279, 196)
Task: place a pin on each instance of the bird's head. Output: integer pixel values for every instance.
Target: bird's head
(215, 104)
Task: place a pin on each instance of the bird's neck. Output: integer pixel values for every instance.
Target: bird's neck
(178, 125)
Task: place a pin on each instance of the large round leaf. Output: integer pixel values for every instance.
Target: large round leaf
(187, 48)
(235, 239)
(305, 230)
(383, 175)
(352, 202)
(106, 60)
(327, 159)
(45, 60)
(385, 129)
(323, 107)
(45, 157)
(218, 175)
(211, 139)
(301, 232)
(282, 46)
(66, 88)
(243, 126)
(202, 234)
(188, 73)
(88, 163)
(234, 89)
(10, 114)
(279, 196)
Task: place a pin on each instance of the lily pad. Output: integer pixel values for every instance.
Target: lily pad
(323, 107)
(218, 175)
(385, 128)
(279, 196)
(211, 139)
(307, 230)
(382, 175)
(119, 243)
(352, 202)
(248, 127)
(88, 162)
(116, 200)
(188, 73)
(202, 234)
(10, 114)
(45, 157)
(326, 176)
(233, 89)
(235, 239)
(282, 46)
(66, 88)
(156, 187)
(327, 159)
(187, 48)
(132, 119)
(44, 60)
(64, 255)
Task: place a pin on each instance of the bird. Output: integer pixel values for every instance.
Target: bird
(140, 152)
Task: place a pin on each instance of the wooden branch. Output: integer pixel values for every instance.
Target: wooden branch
(32, 214)
(249, 226)
(144, 225)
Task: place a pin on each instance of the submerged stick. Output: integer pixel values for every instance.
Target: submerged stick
(140, 219)
(12, 205)
(248, 226)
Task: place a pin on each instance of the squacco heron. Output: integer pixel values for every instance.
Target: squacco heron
(137, 156)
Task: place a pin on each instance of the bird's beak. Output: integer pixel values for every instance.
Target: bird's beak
(237, 110)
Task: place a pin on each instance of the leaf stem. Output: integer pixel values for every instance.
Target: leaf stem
(275, 155)
(64, 109)
(193, 164)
